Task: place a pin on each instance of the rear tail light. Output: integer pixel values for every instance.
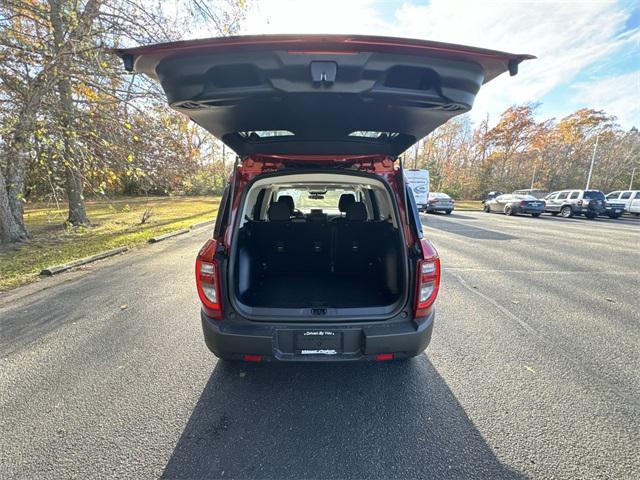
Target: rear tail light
(579, 202)
(522, 203)
(252, 358)
(383, 357)
(428, 281)
(208, 280)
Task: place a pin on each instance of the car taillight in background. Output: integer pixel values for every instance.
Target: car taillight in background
(428, 279)
(208, 280)
(522, 203)
(579, 202)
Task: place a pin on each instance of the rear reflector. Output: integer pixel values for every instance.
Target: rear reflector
(252, 358)
(381, 357)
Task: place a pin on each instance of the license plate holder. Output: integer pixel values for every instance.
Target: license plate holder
(318, 342)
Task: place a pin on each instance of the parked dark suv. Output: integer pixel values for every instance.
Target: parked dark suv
(568, 203)
(318, 251)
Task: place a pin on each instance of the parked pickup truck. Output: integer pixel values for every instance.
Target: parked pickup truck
(318, 252)
(629, 199)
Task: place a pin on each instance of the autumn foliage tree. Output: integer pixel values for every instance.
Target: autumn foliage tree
(522, 152)
(71, 121)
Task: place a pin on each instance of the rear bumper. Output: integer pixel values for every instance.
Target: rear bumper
(276, 342)
(439, 208)
(528, 210)
(589, 211)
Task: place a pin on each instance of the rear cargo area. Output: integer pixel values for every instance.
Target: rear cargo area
(340, 264)
(318, 244)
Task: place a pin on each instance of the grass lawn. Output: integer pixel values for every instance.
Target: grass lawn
(115, 223)
(469, 205)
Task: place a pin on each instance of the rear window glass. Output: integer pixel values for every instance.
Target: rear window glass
(372, 134)
(258, 134)
(574, 194)
(307, 200)
(593, 195)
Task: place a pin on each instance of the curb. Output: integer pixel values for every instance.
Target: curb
(202, 224)
(49, 271)
(168, 235)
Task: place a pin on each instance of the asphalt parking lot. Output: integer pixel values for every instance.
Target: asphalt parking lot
(532, 371)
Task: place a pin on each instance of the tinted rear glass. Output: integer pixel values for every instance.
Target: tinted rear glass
(593, 195)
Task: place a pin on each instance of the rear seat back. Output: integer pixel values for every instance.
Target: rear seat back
(358, 243)
(283, 245)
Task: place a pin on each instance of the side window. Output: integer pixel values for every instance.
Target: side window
(553, 196)
(638, 195)
(625, 195)
(416, 225)
(574, 195)
(255, 213)
(223, 214)
(563, 195)
(613, 195)
(374, 205)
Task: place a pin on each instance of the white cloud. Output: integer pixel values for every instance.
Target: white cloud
(302, 16)
(567, 37)
(618, 94)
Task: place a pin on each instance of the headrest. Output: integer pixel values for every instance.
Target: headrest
(346, 199)
(316, 215)
(279, 212)
(356, 212)
(288, 199)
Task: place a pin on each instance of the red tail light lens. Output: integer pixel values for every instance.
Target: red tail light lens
(579, 202)
(383, 357)
(428, 281)
(208, 280)
(522, 203)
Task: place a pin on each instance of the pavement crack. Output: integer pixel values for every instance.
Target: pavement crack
(605, 385)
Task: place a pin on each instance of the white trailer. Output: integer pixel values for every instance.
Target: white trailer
(419, 182)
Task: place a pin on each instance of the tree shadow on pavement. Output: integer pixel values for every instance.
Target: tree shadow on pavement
(395, 420)
(466, 230)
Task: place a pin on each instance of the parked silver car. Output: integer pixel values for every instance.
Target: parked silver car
(589, 203)
(440, 202)
(512, 204)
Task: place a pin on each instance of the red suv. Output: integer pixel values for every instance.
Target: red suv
(317, 252)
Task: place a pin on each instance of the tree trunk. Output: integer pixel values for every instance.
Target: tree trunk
(17, 148)
(73, 166)
(10, 230)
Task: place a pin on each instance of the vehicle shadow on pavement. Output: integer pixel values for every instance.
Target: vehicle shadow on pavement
(394, 420)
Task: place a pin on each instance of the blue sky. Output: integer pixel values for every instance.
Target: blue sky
(588, 51)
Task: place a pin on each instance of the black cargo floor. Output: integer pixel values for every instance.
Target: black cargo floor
(324, 290)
